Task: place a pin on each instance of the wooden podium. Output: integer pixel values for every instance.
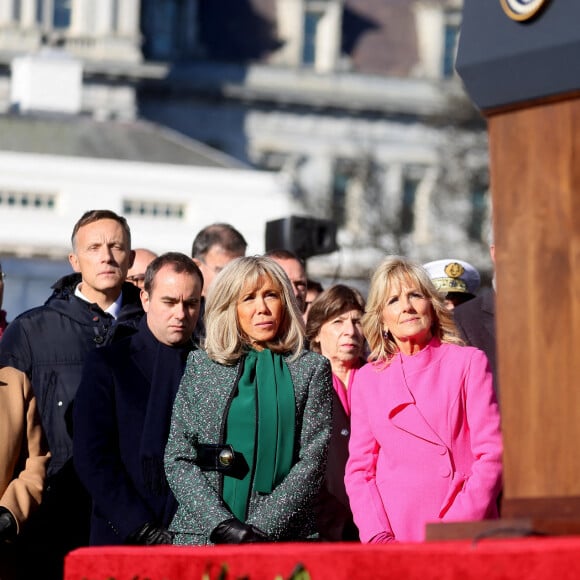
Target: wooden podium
(524, 75)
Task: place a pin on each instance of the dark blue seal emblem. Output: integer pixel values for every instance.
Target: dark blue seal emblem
(522, 9)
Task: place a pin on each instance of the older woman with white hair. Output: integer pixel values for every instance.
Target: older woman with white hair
(251, 422)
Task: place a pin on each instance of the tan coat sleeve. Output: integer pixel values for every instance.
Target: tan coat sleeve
(23, 452)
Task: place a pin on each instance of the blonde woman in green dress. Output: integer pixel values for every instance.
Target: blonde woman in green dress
(251, 423)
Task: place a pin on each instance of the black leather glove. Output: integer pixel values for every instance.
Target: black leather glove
(233, 531)
(8, 525)
(150, 535)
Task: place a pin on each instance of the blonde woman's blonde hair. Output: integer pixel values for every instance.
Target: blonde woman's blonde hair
(225, 342)
(396, 270)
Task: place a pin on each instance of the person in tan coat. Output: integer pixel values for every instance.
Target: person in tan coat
(23, 458)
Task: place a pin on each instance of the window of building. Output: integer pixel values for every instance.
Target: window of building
(168, 28)
(311, 21)
(115, 14)
(450, 39)
(27, 199)
(54, 14)
(479, 203)
(310, 32)
(61, 13)
(409, 193)
(155, 209)
(345, 171)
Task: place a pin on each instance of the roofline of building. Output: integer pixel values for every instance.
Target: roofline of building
(286, 86)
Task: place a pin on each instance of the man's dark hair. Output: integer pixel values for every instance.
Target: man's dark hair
(280, 254)
(314, 285)
(220, 234)
(179, 263)
(95, 215)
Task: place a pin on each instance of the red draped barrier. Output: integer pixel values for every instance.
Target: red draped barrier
(506, 559)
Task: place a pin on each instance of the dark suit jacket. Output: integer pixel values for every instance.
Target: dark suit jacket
(109, 417)
(475, 321)
(332, 507)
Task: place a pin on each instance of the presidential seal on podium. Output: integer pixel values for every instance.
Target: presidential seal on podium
(522, 9)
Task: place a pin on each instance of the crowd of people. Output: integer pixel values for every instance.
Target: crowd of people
(223, 398)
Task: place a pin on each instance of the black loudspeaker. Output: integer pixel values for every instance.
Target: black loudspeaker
(304, 236)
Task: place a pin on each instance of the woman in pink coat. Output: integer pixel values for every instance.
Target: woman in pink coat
(425, 441)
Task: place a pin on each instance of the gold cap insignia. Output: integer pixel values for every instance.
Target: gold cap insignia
(454, 270)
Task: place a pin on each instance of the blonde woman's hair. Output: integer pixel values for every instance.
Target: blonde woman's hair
(225, 342)
(398, 270)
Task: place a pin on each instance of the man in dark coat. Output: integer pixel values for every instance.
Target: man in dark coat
(3, 321)
(49, 343)
(475, 320)
(123, 409)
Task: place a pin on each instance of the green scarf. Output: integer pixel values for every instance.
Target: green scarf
(260, 425)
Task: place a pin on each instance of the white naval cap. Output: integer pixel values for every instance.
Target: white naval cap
(450, 275)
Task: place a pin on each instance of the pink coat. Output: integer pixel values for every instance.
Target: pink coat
(425, 443)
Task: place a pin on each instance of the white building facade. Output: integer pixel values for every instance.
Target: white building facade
(352, 105)
(42, 196)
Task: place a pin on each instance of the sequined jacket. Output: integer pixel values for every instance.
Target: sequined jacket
(199, 416)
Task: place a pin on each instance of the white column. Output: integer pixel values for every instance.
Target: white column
(430, 25)
(28, 18)
(104, 17)
(128, 17)
(6, 12)
(328, 38)
(80, 17)
(290, 18)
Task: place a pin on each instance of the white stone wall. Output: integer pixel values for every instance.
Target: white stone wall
(50, 81)
(245, 198)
